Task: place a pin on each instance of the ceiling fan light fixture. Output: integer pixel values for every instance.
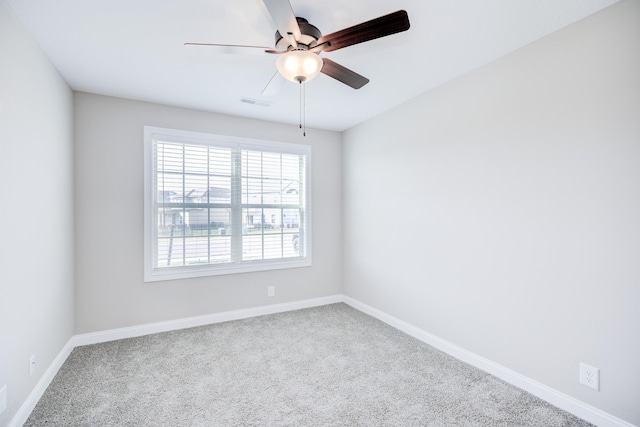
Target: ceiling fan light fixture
(299, 65)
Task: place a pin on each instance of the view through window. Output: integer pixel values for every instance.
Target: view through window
(216, 204)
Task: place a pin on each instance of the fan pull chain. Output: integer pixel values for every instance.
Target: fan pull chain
(303, 115)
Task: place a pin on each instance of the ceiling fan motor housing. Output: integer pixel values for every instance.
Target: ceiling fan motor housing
(310, 36)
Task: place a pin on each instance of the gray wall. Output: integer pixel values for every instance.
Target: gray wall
(501, 211)
(36, 215)
(110, 292)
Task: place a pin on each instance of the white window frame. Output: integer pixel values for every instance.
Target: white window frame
(152, 273)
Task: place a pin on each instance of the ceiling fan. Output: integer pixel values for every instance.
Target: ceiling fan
(298, 44)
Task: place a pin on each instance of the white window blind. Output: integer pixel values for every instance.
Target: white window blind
(219, 205)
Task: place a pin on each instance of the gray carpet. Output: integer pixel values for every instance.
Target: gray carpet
(323, 366)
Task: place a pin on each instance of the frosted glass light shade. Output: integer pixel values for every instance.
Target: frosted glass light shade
(299, 65)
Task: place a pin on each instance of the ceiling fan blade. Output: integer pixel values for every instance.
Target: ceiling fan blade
(386, 25)
(275, 85)
(284, 19)
(231, 48)
(343, 74)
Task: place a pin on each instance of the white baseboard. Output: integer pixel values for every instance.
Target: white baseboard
(25, 410)
(190, 322)
(556, 398)
(561, 400)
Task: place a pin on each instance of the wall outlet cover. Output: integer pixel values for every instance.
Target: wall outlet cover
(590, 376)
(32, 365)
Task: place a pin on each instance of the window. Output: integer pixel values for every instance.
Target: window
(219, 205)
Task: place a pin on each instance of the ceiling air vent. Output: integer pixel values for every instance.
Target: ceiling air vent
(255, 102)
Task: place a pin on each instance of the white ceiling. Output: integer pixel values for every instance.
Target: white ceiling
(134, 49)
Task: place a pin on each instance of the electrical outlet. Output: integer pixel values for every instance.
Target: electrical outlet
(590, 376)
(3, 398)
(32, 365)
(271, 291)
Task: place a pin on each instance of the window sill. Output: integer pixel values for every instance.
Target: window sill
(189, 272)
